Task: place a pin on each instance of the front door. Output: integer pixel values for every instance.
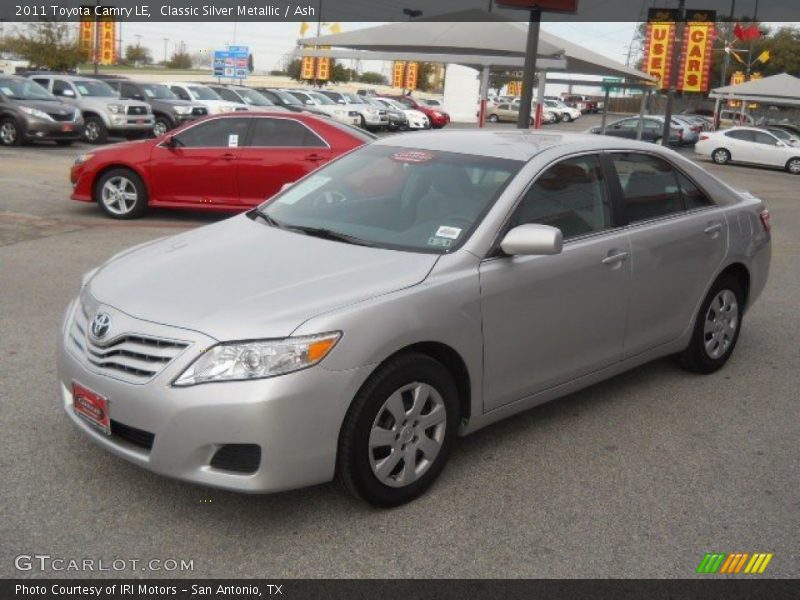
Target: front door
(550, 319)
(201, 166)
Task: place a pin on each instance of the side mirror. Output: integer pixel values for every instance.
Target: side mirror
(340, 101)
(170, 142)
(139, 97)
(309, 103)
(532, 240)
(66, 93)
(780, 145)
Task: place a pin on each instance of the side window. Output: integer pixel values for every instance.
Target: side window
(45, 83)
(693, 196)
(59, 87)
(649, 186)
(180, 92)
(570, 195)
(128, 91)
(503, 107)
(629, 124)
(743, 134)
(283, 133)
(217, 133)
(762, 137)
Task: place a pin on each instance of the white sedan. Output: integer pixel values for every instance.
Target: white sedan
(749, 145)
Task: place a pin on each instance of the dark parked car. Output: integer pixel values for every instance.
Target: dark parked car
(245, 95)
(285, 100)
(29, 112)
(651, 131)
(397, 118)
(169, 110)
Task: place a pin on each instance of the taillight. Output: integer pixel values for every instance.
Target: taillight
(703, 136)
(765, 222)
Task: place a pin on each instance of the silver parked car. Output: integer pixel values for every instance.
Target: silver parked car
(416, 289)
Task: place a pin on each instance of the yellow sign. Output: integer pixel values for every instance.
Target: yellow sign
(307, 68)
(412, 76)
(658, 52)
(514, 88)
(405, 75)
(108, 42)
(697, 57)
(323, 68)
(86, 36)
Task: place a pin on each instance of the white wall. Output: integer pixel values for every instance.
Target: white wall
(461, 93)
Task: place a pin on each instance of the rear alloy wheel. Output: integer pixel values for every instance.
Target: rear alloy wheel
(721, 156)
(9, 133)
(793, 166)
(566, 117)
(399, 431)
(95, 131)
(716, 328)
(493, 118)
(121, 194)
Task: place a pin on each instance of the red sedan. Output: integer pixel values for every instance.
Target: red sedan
(228, 162)
(438, 118)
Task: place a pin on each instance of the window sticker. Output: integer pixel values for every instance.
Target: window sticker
(412, 156)
(440, 242)
(149, 93)
(451, 233)
(233, 140)
(301, 190)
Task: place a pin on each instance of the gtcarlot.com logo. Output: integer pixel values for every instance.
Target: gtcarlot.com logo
(734, 563)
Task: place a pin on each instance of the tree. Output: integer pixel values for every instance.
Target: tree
(201, 60)
(48, 45)
(372, 78)
(784, 49)
(137, 55)
(340, 73)
(180, 60)
(293, 69)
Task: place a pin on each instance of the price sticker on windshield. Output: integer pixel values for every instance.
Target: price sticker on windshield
(412, 156)
(451, 233)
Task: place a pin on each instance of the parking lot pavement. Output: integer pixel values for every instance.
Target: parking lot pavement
(636, 477)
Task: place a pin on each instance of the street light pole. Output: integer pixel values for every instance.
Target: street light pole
(673, 84)
(529, 72)
(96, 43)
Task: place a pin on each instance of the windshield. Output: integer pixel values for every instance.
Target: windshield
(353, 99)
(252, 97)
(24, 89)
(201, 92)
(321, 98)
(98, 89)
(392, 104)
(401, 198)
(159, 91)
(287, 98)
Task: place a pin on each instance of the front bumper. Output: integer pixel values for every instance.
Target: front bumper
(294, 419)
(39, 129)
(131, 122)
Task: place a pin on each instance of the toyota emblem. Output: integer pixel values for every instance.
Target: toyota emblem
(100, 324)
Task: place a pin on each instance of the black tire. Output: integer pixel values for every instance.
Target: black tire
(364, 123)
(139, 207)
(65, 142)
(354, 470)
(161, 126)
(721, 156)
(566, 117)
(793, 165)
(10, 132)
(95, 131)
(493, 118)
(695, 357)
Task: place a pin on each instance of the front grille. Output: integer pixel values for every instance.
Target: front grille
(199, 111)
(239, 458)
(137, 110)
(58, 117)
(135, 357)
(137, 437)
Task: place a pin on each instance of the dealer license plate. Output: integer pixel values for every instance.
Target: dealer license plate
(92, 407)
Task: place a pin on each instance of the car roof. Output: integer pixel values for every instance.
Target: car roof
(509, 144)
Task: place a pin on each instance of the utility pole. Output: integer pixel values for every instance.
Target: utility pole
(673, 84)
(166, 41)
(319, 32)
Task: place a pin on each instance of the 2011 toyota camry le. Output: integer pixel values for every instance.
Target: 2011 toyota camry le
(418, 288)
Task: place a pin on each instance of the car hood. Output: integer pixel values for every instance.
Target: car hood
(242, 279)
(52, 107)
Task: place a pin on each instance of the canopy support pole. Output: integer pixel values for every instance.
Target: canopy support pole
(716, 113)
(642, 106)
(529, 71)
(484, 96)
(537, 120)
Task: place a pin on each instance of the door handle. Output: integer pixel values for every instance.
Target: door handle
(228, 156)
(615, 258)
(712, 229)
(315, 157)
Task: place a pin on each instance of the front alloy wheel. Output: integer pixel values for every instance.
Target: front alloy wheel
(121, 194)
(9, 133)
(793, 166)
(398, 431)
(160, 127)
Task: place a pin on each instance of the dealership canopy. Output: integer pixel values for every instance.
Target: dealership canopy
(498, 43)
(782, 89)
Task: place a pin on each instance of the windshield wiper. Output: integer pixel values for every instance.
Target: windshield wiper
(329, 234)
(257, 212)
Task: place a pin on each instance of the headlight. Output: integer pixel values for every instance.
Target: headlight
(83, 158)
(258, 360)
(77, 116)
(35, 112)
(183, 110)
(116, 108)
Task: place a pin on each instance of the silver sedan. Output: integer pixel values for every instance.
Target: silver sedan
(419, 288)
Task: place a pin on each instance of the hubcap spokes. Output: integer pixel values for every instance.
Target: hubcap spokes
(8, 133)
(722, 320)
(119, 195)
(407, 434)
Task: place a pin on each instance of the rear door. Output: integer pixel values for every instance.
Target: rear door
(279, 150)
(678, 240)
(550, 319)
(202, 166)
(768, 151)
